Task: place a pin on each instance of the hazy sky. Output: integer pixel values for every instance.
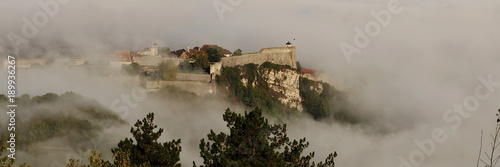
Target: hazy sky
(428, 58)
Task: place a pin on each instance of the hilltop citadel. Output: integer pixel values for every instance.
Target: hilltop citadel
(149, 58)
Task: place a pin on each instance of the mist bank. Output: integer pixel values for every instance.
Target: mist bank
(423, 64)
(408, 117)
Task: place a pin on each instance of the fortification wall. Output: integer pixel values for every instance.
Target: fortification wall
(199, 88)
(193, 77)
(279, 55)
(153, 60)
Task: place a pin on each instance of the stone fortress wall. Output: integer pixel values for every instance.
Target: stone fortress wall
(278, 55)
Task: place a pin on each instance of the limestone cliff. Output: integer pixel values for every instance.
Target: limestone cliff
(285, 82)
(267, 85)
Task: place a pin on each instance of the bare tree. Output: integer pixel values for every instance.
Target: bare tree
(492, 158)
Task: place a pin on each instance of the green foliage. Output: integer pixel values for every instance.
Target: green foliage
(299, 67)
(329, 103)
(147, 149)
(132, 69)
(120, 159)
(237, 52)
(3, 98)
(276, 67)
(146, 152)
(24, 99)
(167, 70)
(215, 54)
(257, 92)
(252, 141)
(49, 97)
(185, 66)
(4, 160)
(164, 50)
(95, 160)
(171, 92)
(201, 60)
(78, 119)
(77, 130)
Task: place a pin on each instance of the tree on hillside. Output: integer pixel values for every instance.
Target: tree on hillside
(147, 149)
(167, 70)
(48, 97)
(237, 52)
(4, 160)
(132, 69)
(201, 60)
(492, 158)
(252, 141)
(215, 54)
(164, 50)
(185, 66)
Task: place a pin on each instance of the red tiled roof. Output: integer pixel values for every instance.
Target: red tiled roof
(227, 51)
(308, 71)
(186, 55)
(206, 47)
(122, 56)
(195, 50)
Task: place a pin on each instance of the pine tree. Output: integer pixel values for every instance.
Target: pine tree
(147, 149)
(253, 142)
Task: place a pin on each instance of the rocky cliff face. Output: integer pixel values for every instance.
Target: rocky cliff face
(269, 86)
(280, 89)
(285, 82)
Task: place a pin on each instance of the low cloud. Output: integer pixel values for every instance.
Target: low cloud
(427, 59)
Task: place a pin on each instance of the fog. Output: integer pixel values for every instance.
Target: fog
(428, 58)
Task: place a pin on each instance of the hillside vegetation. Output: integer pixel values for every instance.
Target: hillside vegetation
(69, 116)
(319, 99)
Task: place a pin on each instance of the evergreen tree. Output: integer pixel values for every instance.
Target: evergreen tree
(253, 142)
(132, 69)
(167, 70)
(147, 149)
(201, 60)
(215, 54)
(237, 52)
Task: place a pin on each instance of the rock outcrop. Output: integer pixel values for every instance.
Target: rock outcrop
(285, 82)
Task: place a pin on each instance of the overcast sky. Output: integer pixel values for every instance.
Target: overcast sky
(426, 59)
(319, 26)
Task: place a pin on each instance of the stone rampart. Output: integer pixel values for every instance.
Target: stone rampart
(278, 55)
